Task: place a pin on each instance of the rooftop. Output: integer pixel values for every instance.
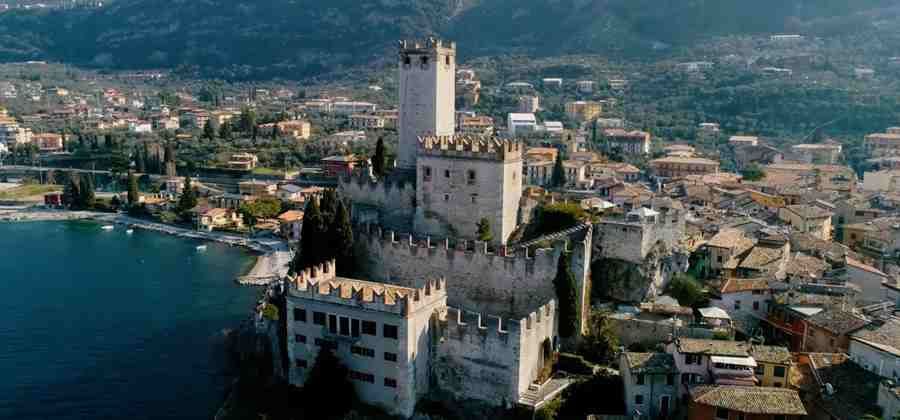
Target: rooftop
(650, 362)
(809, 212)
(838, 321)
(885, 338)
(771, 354)
(713, 347)
(735, 285)
(750, 399)
(855, 389)
(731, 238)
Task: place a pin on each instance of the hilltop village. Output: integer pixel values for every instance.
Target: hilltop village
(533, 268)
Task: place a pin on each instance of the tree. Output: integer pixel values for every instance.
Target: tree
(558, 177)
(188, 199)
(340, 233)
(86, 193)
(139, 160)
(72, 192)
(556, 217)
(247, 119)
(264, 208)
(566, 296)
(327, 378)
(484, 230)
(208, 132)
(600, 344)
(378, 158)
(686, 290)
(133, 191)
(328, 206)
(753, 173)
(311, 238)
(225, 131)
(275, 131)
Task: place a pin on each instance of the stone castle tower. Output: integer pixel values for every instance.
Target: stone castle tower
(427, 72)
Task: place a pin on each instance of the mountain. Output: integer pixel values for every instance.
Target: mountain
(299, 38)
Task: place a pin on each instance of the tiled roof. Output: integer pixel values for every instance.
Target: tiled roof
(771, 354)
(713, 347)
(650, 362)
(291, 215)
(809, 212)
(855, 389)
(762, 258)
(730, 238)
(803, 265)
(885, 337)
(735, 285)
(750, 399)
(838, 321)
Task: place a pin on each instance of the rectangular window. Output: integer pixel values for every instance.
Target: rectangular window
(368, 328)
(390, 382)
(319, 318)
(756, 306)
(390, 357)
(390, 331)
(332, 324)
(759, 370)
(639, 399)
(640, 379)
(426, 173)
(446, 173)
(298, 338)
(299, 314)
(326, 344)
(345, 326)
(354, 328)
(300, 363)
(737, 305)
(362, 376)
(780, 371)
(670, 379)
(362, 351)
(722, 413)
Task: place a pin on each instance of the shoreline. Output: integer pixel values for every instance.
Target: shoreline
(272, 259)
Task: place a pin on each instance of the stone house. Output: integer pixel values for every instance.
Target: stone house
(828, 331)
(216, 218)
(809, 219)
(745, 402)
(651, 387)
(706, 361)
(746, 300)
(727, 248)
(868, 278)
(774, 365)
(877, 349)
(290, 224)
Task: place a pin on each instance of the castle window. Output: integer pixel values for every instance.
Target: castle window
(390, 383)
(447, 60)
(446, 197)
(390, 357)
(298, 338)
(300, 363)
(332, 324)
(368, 328)
(471, 177)
(446, 173)
(406, 60)
(354, 327)
(515, 175)
(391, 331)
(345, 326)
(299, 314)
(474, 198)
(426, 173)
(319, 318)
(424, 61)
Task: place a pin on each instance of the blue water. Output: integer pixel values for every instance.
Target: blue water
(104, 325)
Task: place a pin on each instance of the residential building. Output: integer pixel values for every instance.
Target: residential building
(628, 142)
(836, 388)
(745, 300)
(623, 171)
(877, 349)
(585, 86)
(48, 142)
(822, 153)
(217, 218)
(808, 219)
(477, 125)
(290, 224)
(340, 166)
(293, 129)
(257, 188)
(678, 166)
(705, 361)
(828, 330)
(695, 66)
(726, 249)
(552, 82)
(651, 387)
(520, 123)
(583, 110)
(774, 365)
(743, 141)
(529, 104)
(867, 278)
(886, 180)
(603, 123)
(352, 107)
(243, 161)
(366, 122)
(745, 402)
(883, 144)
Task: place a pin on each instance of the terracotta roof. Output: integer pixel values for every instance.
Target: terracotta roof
(713, 347)
(735, 285)
(809, 212)
(750, 399)
(865, 267)
(650, 362)
(837, 321)
(731, 238)
(885, 338)
(771, 354)
(807, 266)
(291, 216)
(762, 258)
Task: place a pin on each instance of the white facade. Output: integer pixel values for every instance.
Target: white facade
(518, 123)
(427, 94)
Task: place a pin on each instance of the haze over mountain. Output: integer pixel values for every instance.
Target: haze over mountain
(296, 38)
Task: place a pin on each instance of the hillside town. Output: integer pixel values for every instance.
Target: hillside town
(518, 265)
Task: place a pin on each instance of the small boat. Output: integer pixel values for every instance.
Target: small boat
(108, 227)
(129, 231)
(201, 247)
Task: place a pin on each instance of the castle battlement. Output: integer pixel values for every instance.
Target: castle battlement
(427, 246)
(425, 45)
(471, 147)
(459, 322)
(321, 284)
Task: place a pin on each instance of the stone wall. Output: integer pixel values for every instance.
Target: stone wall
(509, 285)
(633, 241)
(390, 203)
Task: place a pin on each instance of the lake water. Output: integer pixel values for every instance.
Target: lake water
(102, 325)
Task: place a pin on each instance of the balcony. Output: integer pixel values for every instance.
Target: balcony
(733, 370)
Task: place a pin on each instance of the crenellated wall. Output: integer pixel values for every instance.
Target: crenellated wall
(632, 241)
(388, 203)
(491, 359)
(506, 283)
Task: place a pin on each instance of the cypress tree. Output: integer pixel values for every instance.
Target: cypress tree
(208, 132)
(72, 192)
(86, 193)
(564, 284)
(188, 199)
(328, 206)
(558, 177)
(340, 234)
(275, 132)
(140, 160)
(378, 158)
(311, 238)
(133, 193)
